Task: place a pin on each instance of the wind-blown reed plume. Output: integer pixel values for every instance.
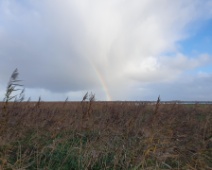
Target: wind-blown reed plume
(12, 86)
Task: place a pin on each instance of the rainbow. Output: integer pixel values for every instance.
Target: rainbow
(103, 82)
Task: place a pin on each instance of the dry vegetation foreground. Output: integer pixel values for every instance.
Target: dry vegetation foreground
(105, 135)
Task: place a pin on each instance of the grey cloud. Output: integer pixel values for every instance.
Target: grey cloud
(188, 87)
(65, 46)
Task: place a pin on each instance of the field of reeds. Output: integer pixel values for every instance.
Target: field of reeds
(103, 135)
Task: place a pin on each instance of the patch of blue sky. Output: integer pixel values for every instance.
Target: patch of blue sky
(206, 69)
(199, 41)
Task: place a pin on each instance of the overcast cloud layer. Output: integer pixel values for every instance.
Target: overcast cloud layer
(118, 49)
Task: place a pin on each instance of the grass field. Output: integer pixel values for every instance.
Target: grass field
(103, 135)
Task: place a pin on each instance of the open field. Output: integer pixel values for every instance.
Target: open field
(105, 135)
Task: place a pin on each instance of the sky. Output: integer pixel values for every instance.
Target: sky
(115, 49)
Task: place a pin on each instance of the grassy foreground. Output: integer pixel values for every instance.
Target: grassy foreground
(102, 135)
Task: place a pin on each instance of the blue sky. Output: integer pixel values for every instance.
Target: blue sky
(119, 50)
(200, 40)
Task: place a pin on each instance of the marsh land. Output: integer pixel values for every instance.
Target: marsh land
(105, 135)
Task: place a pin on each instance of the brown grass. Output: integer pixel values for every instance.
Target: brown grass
(105, 135)
(178, 138)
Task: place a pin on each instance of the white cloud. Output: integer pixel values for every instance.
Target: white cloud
(164, 68)
(72, 46)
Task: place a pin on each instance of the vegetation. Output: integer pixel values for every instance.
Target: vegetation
(103, 135)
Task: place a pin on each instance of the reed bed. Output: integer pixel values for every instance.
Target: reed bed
(104, 135)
